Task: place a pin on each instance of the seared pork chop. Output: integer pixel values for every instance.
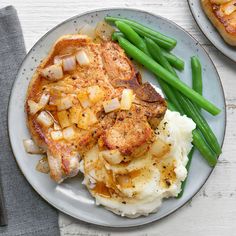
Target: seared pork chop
(222, 14)
(65, 104)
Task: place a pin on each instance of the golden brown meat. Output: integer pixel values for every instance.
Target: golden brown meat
(65, 104)
(222, 14)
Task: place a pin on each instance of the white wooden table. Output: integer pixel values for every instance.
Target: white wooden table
(213, 210)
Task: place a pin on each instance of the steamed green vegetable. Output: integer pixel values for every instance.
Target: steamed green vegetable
(190, 156)
(199, 142)
(132, 36)
(164, 41)
(176, 62)
(196, 74)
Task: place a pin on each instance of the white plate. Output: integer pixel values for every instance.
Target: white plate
(71, 197)
(210, 31)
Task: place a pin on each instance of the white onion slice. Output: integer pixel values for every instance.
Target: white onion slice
(126, 99)
(69, 63)
(34, 107)
(45, 119)
(56, 135)
(64, 103)
(229, 8)
(57, 60)
(44, 100)
(95, 93)
(113, 157)
(69, 133)
(56, 126)
(43, 166)
(111, 105)
(53, 72)
(31, 147)
(104, 31)
(88, 30)
(82, 58)
(74, 164)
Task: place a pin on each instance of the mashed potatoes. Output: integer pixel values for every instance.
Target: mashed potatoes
(138, 187)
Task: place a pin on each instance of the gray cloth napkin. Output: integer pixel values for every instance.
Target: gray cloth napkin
(28, 214)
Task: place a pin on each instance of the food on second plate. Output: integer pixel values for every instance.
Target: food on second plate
(222, 14)
(86, 93)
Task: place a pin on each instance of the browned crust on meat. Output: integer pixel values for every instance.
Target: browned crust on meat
(133, 129)
(130, 131)
(220, 22)
(35, 86)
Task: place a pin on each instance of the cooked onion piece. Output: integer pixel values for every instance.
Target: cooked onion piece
(126, 99)
(45, 119)
(69, 63)
(64, 103)
(82, 58)
(56, 135)
(34, 107)
(53, 72)
(104, 31)
(229, 7)
(44, 100)
(92, 116)
(95, 93)
(84, 99)
(69, 133)
(83, 121)
(31, 147)
(74, 114)
(57, 60)
(113, 157)
(43, 166)
(88, 30)
(56, 126)
(63, 118)
(111, 105)
(86, 118)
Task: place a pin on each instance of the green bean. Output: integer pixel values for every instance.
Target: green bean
(203, 148)
(196, 75)
(165, 75)
(167, 42)
(132, 36)
(115, 35)
(166, 45)
(190, 156)
(189, 108)
(170, 94)
(157, 54)
(199, 143)
(192, 111)
(176, 62)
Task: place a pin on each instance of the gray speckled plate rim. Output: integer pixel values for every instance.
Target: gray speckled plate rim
(14, 84)
(222, 42)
